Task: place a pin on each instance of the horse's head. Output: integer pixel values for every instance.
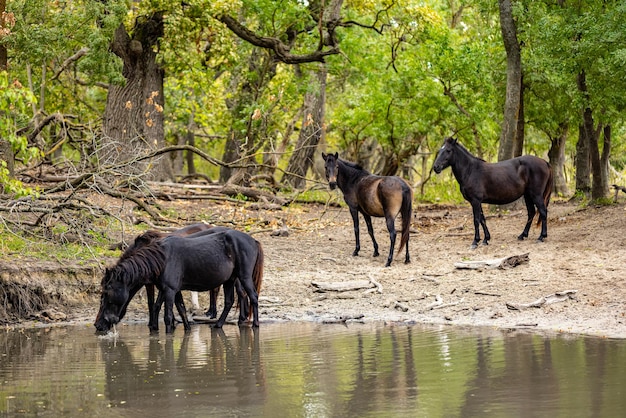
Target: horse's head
(331, 168)
(444, 155)
(113, 302)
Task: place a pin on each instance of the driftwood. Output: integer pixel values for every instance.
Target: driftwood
(544, 300)
(502, 263)
(438, 303)
(343, 286)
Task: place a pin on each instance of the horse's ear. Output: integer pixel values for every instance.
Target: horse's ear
(454, 140)
(336, 155)
(324, 156)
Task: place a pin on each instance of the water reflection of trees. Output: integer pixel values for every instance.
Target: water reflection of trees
(187, 374)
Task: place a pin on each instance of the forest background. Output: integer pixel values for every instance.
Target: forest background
(113, 96)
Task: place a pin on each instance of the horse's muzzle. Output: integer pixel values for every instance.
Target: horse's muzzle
(333, 185)
(105, 323)
(437, 169)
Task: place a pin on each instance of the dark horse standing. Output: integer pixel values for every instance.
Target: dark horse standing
(499, 183)
(174, 263)
(371, 195)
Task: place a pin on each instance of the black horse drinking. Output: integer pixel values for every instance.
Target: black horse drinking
(198, 263)
(372, 195)
(499, 183)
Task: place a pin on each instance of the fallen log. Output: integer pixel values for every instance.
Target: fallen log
(502, 263)
(544, 300)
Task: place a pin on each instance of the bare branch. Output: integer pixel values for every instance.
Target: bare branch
(281, 50)
(81, 53)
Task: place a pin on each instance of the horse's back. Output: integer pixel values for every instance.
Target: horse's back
(200, 262)
(381, 195)
(506, 181)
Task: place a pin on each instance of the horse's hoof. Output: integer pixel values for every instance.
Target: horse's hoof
(540, 239)
(473, 246)
(376, 254)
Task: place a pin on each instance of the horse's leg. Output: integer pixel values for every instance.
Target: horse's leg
(483, 222)
(253, 298)
(477, 213)
(370, 230)
(355, 223)
(154, 319)
(244, 309)
(180, 307)
(229, 300)
(543, 217)
(530, 209)
(168, 316)
(150, 297)
(391, 227)
(212, 312)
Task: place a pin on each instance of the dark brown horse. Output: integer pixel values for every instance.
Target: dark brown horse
(172, 264)
(499, 183)
(372, 195)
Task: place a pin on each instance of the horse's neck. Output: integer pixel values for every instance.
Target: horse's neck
(464, 162)
(349, 175)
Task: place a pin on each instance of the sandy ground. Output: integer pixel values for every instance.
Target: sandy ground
(583, 256)
(584, 259)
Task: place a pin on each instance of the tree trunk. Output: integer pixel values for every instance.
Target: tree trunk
(311, 132)
(556, 155)
(604, 159)
(518, 143)
(582, 166)
(133, 118)
(513, 81)
(599, 188)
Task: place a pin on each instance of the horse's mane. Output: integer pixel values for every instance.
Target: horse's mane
(145, 261)
(141, 240)
(353, 166)
(467, 152)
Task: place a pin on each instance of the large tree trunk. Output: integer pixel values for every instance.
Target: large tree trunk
(556, 154)
(513, 81)
(133, 118)
(311, 131)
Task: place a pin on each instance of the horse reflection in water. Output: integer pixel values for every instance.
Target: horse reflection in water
(177, 376)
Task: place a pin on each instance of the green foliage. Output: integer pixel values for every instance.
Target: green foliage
(15, 102)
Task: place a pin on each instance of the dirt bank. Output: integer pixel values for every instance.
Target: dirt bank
(583, 256)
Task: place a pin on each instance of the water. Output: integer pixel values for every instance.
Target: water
(309, 370)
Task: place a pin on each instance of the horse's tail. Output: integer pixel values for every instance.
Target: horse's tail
(257, 272)
(406, 210)
(547, 192)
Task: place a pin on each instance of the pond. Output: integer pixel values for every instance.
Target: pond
(310, 370)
